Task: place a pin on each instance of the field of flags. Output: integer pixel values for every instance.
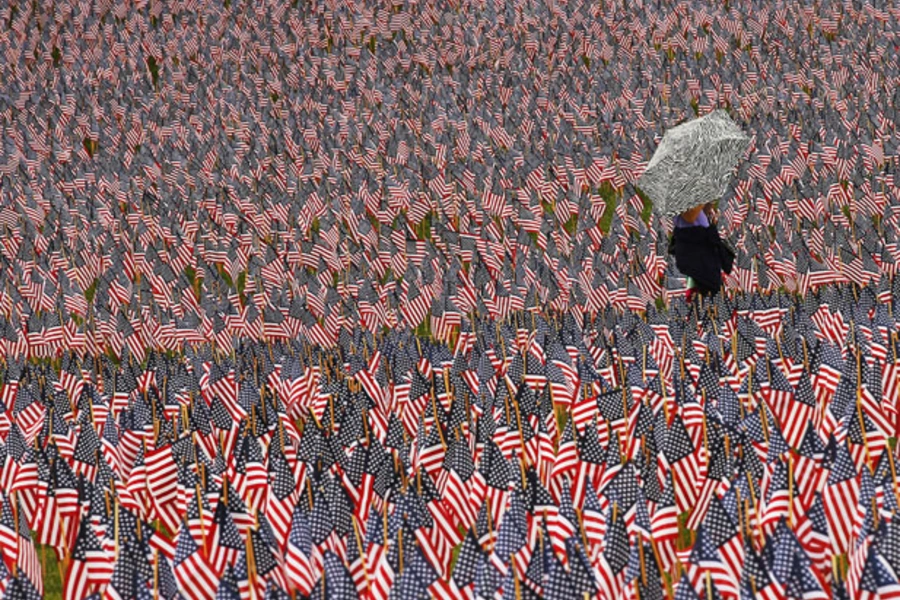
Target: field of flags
(358, 299)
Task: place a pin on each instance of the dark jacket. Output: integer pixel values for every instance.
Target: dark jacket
(701, 254)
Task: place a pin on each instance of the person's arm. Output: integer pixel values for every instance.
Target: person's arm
(691, 215)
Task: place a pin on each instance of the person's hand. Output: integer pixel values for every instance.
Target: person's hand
(691, 215)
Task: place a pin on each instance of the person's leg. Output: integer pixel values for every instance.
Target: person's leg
(705, 295)
(691, 289)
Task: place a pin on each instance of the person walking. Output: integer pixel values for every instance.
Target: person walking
(700, 254)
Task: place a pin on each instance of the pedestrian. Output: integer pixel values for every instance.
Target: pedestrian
(700, 254)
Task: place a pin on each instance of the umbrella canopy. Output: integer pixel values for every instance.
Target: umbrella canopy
(693, 162)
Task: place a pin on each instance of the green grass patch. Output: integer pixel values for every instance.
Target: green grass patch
(685, 535)
(670, 589)
(153, 67)
(388, 274)
(562, 417)
(50, 567)
(843, 565)
(196, 284)
(424, 228)
(454, 554)
(226, 277)
(424, 328)
(241, 283)
(548, 207)
(608, 194)
(91, 291)
(647, 208)
(114, 359)
(90, 146)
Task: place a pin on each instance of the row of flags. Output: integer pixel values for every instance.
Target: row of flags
(360, 300)
(739, 449)
(202, 173)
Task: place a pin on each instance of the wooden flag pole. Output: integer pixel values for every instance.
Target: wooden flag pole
(893, 475)
(512, 565)
(359, 546)
(759, 533)
(251, 566)
(859, 414)
(641, 556)
(656, 555)
(200, 510)
(400, 550)
(116, 501)
(437, 421)
(762, 405)
(580, 517)
(524, 460)
(705, 434)
(384, 524)
(805, 354)
(790, 519)
(625, 390)
(487, 512)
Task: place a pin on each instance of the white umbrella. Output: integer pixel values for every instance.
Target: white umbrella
(693, 162)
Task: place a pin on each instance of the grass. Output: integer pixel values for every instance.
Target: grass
(51, 569)
(454, 554)
(153, 67)
(424, 328)
(647, 209)
(91, 291)
(53, 585)
(608, 194)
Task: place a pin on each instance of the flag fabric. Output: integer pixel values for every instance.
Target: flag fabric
(192, 570)
(304, 300)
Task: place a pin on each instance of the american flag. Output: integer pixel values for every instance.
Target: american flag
(408, 178)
